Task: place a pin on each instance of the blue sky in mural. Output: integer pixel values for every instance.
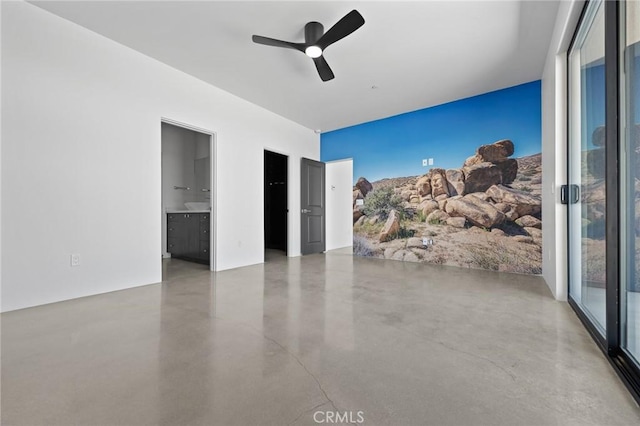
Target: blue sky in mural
(448, 133)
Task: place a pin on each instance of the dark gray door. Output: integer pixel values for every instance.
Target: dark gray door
(312, 237)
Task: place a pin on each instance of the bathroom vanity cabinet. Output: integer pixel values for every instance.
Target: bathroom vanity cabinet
(188, 236)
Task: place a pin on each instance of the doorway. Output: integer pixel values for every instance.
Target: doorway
(188, 194)
(276, 199)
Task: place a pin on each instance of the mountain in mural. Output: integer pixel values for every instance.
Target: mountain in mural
(486, 214)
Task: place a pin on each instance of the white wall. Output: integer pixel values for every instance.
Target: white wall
(1, 184)
(339, 204)
(81, 158)
(632, 15)
(554, 150)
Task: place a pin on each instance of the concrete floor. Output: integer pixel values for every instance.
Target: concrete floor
(272, 344)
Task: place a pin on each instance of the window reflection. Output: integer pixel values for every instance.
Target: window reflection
(587, 236)
(630, 176)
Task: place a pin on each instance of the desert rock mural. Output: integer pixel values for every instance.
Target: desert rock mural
(485, 214)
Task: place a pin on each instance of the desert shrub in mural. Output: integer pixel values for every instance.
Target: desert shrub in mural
(485, 214)
(379, 203)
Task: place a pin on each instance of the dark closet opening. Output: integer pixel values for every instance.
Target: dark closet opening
(275, 201)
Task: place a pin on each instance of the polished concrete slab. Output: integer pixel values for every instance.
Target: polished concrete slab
(386, 342)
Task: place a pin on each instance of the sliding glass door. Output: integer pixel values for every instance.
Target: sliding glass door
(603, 191)
(587, 154)
(630, 177)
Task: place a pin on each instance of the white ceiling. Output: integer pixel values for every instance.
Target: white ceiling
(417, 53)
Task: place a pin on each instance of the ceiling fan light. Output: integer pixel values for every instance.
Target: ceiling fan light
(313, 51)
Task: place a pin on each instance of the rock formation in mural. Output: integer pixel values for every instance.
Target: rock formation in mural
(486, 214)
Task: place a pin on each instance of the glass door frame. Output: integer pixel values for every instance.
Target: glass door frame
(610, 344)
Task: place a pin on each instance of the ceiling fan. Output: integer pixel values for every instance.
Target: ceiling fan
(316, 40)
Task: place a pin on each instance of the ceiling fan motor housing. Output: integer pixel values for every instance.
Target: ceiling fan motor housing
(312, 32)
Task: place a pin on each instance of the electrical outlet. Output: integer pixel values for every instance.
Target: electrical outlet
(425, 162)
(75, 260)
(427, 241)
(431, 161)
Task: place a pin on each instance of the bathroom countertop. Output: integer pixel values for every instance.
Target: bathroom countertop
(188, 211)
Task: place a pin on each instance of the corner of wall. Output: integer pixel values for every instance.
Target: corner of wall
(1, 244)
(554, 152)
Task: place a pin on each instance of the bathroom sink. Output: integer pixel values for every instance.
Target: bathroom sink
(197, 206)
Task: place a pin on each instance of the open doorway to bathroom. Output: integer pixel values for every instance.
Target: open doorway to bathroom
(188, 184)
(275, 204)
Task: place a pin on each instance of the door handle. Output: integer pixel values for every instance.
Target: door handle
(574, 191)
(569, 194)
(306, 211)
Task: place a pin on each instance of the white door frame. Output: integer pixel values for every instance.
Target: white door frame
(214, 171)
